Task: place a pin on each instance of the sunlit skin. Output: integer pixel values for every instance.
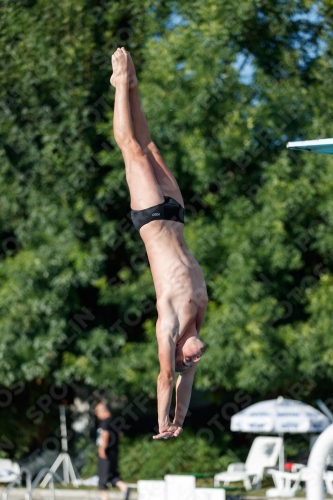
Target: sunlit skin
(178, 279)
(186, 355)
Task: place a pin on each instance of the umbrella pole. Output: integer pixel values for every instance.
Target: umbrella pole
(281, 456)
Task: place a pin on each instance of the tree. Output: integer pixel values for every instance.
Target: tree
(224, 88)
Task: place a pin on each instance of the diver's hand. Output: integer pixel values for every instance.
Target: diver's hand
(169, 431)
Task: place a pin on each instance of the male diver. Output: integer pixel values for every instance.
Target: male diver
(157, 211)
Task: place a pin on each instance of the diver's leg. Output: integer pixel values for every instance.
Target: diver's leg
(163, 174)
(144, 188)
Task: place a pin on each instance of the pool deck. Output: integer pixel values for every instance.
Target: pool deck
(70, 494)
(83, 494)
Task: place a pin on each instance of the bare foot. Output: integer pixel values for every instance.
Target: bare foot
(120, 68)
(132, 74)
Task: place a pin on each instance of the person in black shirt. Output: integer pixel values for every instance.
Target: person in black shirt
(107, 441)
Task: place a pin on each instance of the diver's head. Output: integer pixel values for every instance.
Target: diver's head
(188, 353)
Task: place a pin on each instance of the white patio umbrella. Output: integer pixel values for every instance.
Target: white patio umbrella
(278, 416)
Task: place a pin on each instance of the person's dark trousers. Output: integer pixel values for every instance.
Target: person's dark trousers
(107, 470)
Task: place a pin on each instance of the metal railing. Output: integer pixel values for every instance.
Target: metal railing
(18, 480)
(37, 480)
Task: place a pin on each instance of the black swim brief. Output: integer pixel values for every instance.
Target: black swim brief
(169, 210)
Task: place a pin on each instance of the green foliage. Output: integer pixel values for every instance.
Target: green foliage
(88, 450)
(144, 458)
(259, 220)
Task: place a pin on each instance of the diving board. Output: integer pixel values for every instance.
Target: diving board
(322, 146)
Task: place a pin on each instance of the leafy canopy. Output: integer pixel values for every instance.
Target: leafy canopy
(224, 88)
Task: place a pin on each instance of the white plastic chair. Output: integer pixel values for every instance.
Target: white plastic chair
(286, 483)
(8, 470)
(264, 453)
(210, 494)
(296, 467)
(151, 490)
